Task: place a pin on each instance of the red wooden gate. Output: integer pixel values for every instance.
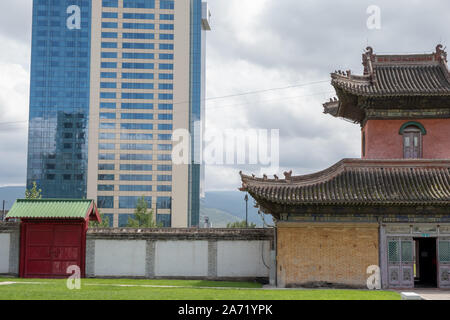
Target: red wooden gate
(48, 249)
(53, 235)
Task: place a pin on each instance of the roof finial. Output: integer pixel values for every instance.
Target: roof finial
(440, 52)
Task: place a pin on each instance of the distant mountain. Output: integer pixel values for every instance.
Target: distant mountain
(10, 195)
(232, 203)
(217, 218)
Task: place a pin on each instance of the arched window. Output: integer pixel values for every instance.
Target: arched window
(412, 133)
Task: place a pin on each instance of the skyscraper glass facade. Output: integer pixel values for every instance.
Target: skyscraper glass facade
(102, 109)
(196, 110)
(59, 97)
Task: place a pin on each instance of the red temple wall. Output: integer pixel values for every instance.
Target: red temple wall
(383, 141)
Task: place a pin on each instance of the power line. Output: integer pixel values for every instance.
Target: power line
(209, 108)
(231, 96)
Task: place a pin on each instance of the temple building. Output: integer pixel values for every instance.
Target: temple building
(389, 210)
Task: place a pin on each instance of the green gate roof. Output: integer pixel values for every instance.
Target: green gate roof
(50, 209)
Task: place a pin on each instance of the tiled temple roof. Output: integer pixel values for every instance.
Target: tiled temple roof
(389, 76)
(359, 182)
(398, 75)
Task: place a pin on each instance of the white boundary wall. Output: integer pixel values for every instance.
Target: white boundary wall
(180, 253)
(9, 248)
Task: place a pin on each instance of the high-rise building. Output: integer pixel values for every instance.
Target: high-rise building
(110, 82)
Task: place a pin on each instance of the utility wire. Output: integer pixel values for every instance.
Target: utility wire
(231, 96)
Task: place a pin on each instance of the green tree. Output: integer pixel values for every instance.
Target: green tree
(34, 192)
(143, 218)
(103, 224)
(237, 225)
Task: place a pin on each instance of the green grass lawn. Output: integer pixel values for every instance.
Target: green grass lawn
(110, 289)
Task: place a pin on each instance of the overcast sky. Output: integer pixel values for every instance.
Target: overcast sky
(254, 45)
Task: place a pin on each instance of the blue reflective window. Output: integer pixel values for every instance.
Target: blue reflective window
(111, 15)
(164, 167)
(106, 136)
(108, 85)
(106, 156)
(109, 35)
(145, 4)
(136, 177)
(166, 66)
(142, 26)
(165, 96)
(106, 166)
(165, 86)
(124, 218)
(105, 202)
(165, 116)
(164, 157)
(164, 147)
(164, 178)
(109, 65)
(166, 26)
(109, 55)
(134, 85)
(104, 115)
(136, 157)
(137, 55)
(167, 4)
(108, 95)
(106, 146)
(166, 46)
(108, 75)
(137, 96)
(165, 106)
(135, 188)
(132, 35)
(164, 202)
(166, 17)
(136, 146)
(132, 45)
(105, 187)
(136, 167)
(107, 125)
(109, 45)
(107, 105)
(112, 25)
(146, 76)
(141, 16)
(165, 126)
(165, 36)
(164, 137)
(136, 136)
(106, 177)
(165, 220)
(166, 56)
(136, 126)
(131, 202)
(110, 3)
(134, 65)
(137, 106)
(137, 116)
(163, 188)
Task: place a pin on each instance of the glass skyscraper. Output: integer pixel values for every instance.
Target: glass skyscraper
(110, 81)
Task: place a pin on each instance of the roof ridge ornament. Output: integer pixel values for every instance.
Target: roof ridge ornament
(288, 176)
(441, 54)
(368, 60)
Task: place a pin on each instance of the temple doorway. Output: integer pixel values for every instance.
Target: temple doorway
(425, 273)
